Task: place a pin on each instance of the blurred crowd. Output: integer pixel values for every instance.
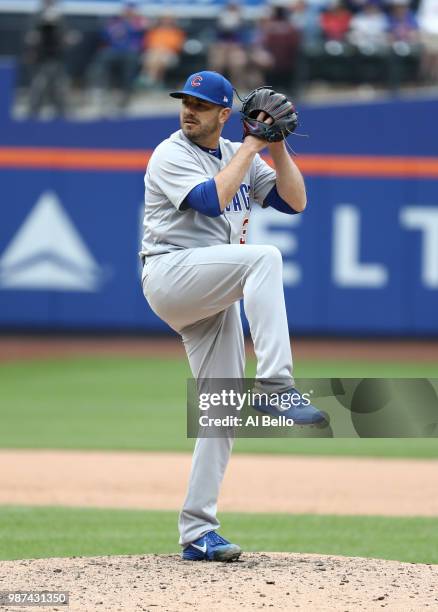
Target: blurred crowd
(388, 42)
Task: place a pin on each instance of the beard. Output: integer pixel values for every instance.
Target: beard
(198, 133)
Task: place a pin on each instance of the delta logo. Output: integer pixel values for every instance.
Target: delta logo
(48, 253)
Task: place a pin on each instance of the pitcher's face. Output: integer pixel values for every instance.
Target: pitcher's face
(202, 121)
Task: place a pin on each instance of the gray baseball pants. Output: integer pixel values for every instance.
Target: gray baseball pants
(197, 292)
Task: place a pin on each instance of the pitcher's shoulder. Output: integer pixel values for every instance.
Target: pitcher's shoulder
(170, 149)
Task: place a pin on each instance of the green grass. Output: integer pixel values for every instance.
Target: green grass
(27, 532)
(139, 404)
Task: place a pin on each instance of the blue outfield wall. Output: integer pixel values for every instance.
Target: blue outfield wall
(362, 259)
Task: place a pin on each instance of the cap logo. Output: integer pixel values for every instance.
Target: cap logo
(225, 99)
(196, 81)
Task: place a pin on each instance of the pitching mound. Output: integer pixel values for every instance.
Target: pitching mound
(259, 580)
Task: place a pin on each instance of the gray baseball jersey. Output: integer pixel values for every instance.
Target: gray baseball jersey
(175, 168)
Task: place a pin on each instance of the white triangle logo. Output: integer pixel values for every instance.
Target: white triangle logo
(48, 253)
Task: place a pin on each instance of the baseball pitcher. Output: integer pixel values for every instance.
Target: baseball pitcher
(199, 191)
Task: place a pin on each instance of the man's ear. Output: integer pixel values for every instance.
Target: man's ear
(224, 115)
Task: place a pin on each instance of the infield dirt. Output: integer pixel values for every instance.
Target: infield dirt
(157, 481)
(15, 348)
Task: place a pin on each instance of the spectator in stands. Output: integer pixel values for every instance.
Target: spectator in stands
(334, 60)
(258, 60)
(335, 21)
(305, 18)
(402, 23)
(404, 40)
(368, 27)
(372, 57)
(228, 53)
(163, 44)
(428, 23)
(45, 44)
(280, 38)
(122, 38)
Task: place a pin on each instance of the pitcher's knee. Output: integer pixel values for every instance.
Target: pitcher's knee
(271, 255)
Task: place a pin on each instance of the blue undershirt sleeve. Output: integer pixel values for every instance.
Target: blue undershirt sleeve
(274, 200)
(204, 199)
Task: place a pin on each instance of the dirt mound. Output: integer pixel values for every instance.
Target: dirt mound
(259, 580)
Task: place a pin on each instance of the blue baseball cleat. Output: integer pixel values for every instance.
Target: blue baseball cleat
(211, 547)
(301, 410)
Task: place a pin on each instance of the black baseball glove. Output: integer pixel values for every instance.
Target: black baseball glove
(277, 106)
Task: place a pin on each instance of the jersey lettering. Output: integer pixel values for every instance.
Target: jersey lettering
(236, 203)
(244, 190)
(240, 200)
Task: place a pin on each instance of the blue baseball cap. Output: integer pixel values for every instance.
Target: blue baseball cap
(209, 86)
